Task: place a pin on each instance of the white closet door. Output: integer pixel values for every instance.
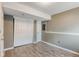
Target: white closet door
(23, 32)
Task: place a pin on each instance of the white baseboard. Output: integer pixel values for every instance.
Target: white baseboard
(16, 46)
(36, 42)
(50, 45)
(8, 48)
(61, 48)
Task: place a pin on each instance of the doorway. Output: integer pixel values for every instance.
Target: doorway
(8, 31)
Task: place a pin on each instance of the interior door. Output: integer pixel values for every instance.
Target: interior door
(1, 31)
(8, 31)
(23, 31)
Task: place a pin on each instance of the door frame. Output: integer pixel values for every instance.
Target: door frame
(5, 49)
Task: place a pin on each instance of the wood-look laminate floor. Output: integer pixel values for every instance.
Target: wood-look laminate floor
(38, 50)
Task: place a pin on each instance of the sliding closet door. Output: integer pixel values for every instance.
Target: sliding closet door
(23, 33)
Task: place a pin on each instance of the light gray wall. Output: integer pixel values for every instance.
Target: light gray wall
(8, 31)
(37, 31)
(66, 22)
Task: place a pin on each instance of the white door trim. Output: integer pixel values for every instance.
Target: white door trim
(66, 33)
(61, 48)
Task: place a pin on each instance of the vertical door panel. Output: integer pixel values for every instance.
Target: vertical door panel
(23, 33)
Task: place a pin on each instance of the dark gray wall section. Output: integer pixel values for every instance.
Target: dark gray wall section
(8, 31)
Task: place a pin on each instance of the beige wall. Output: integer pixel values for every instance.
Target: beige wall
(8, 31)
(1, 30)
(66, 22)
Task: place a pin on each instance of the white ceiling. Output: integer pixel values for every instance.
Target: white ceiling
(52, 8)
(20, 14)
(24, 11)
(48, 8)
